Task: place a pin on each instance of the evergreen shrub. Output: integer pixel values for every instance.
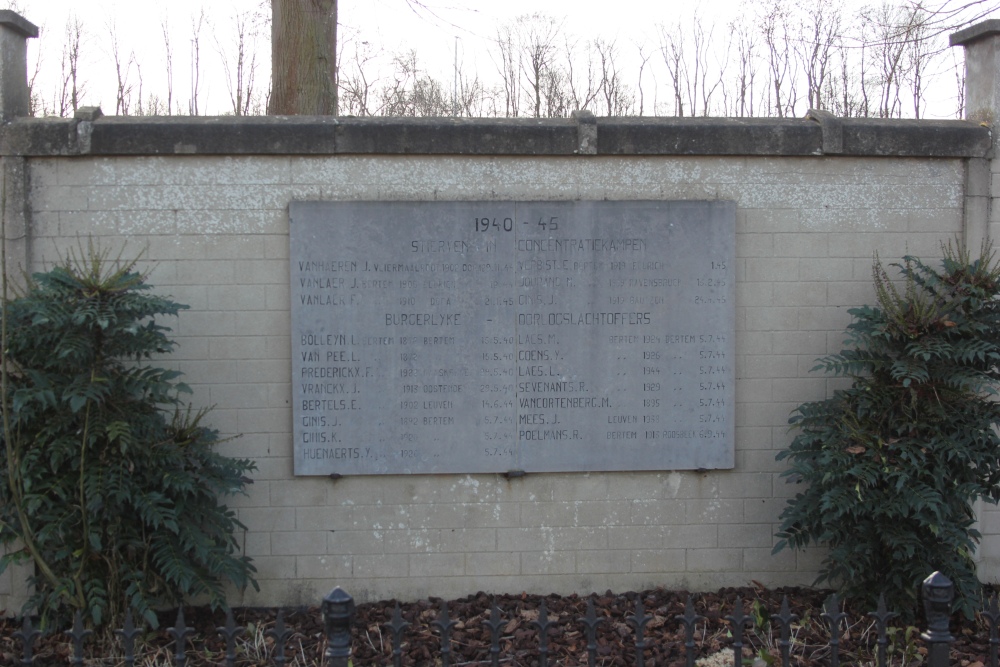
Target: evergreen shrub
(110, 485)
(893, 464)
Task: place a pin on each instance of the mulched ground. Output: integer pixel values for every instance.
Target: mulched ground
(519, 643)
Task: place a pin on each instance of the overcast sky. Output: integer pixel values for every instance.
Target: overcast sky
(441, 31)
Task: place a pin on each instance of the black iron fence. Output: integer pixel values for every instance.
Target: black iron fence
(338, 613)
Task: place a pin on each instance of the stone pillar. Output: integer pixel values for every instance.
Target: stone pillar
(14, 101)
(982, 69)
(982, 105)
(14, 33)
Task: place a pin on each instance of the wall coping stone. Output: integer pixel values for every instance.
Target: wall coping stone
(18, 23)
(91, 133)
(974, 33)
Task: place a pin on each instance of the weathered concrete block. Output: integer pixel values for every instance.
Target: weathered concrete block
(494, 565)
(660, 560)
(715, 560)
(548, 562)
(290, 493)
(328, 567)
(375, 566)
(296, 543)
(603, 562)
(268, 519)
(355, 542)
(217, 226)
(437, 565)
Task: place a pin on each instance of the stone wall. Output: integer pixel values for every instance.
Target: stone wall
(215, 233)
(206, 200)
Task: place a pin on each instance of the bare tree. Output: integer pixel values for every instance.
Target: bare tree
(781, 54)
(395, 96)
(35, 105)
(844, 93)
(581, 80)
(947, 16)
(146, 104)
(538, 34)
(239, 60)
(918, 55)
(429, 98)
(168, 62)
(509, 68)
(123, 72)
(672, 50)
(618, 99)
(884, 32)
(357, 79)
(744, 38)
(696, 70)
(197, 23)
(69, 84)
(556, 100)
(707, 76)
(643, 62)
(527, 62)
(412, 92)
(474, 98)
(774, 29)
(819, 28)
(150, 105)
(959, 69)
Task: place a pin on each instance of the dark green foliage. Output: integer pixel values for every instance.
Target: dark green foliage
(894, 463)
(109, 484)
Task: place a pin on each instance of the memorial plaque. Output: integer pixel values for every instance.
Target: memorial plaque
(461, 337)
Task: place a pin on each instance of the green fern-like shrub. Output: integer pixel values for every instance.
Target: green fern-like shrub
(892, 465)
(109, 484)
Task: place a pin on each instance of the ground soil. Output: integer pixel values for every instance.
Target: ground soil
(519, 642)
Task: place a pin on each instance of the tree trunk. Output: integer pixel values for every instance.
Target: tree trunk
(303, 57)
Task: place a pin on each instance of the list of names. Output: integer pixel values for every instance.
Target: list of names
(461, 337)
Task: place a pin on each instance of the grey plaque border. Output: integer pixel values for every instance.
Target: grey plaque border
(703, 222)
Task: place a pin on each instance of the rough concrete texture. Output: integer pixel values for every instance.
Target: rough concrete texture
(215, 233)
(14, 96)
(982, 55)
(581, 135)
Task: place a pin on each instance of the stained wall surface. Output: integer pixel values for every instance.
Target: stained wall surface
(214, 233)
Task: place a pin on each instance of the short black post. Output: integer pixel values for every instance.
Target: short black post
(938, 592)
(338, 616)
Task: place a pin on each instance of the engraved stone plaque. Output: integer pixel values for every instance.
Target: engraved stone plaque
(461, 337)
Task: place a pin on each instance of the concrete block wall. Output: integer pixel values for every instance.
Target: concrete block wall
(989, 514)
(206, 200)
(13, 589)
(215, 234)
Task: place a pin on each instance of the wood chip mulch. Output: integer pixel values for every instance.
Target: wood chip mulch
(519, 643)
